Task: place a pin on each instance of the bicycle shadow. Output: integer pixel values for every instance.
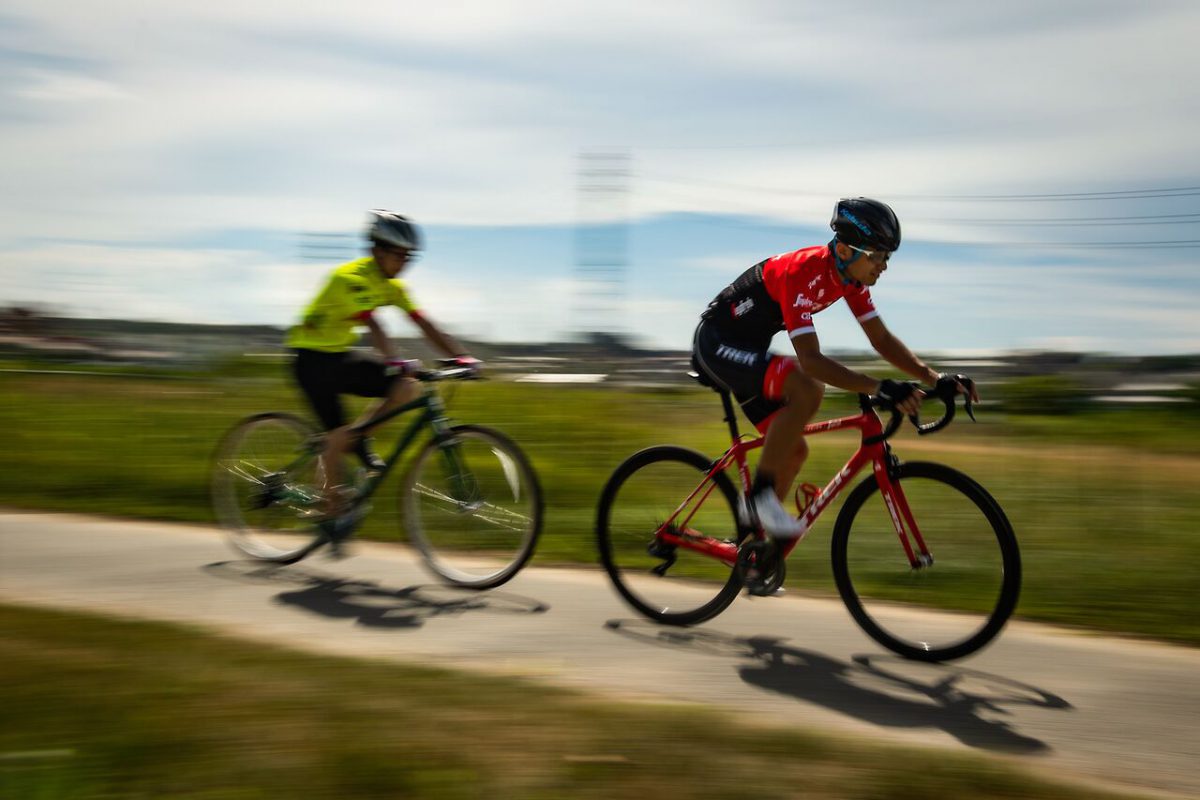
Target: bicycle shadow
(962, 702)
(369, 603)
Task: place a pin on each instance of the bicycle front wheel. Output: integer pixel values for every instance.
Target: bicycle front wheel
(473, 507)
(265, 487)
(669, 584)
(972, 576)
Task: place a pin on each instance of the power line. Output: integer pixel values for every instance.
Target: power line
(1120, 194)
(1162, 219)
(1159, 245)
(1127, 194)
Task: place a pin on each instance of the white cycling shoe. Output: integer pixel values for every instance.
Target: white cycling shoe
(775, 520)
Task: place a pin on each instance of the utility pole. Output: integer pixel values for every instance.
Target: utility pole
(601, 245)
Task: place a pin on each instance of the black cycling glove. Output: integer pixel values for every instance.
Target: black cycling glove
(893, 393)
(945, 379)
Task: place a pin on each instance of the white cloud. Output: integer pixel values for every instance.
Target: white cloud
(133, 124)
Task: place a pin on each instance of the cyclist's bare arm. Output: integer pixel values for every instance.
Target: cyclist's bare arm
(896, 353)
(817, 365)
(823, 368)
(436, 336)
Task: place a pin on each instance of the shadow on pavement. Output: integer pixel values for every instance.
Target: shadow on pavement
(369, 603)
(884, 690)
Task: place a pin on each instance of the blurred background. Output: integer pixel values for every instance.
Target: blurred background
(180, 179)
(179, 184)
(608, 167)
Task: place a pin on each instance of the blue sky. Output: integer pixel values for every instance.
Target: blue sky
(173, 161)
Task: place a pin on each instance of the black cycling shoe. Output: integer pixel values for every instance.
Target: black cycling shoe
(369, 458)
(339, 529)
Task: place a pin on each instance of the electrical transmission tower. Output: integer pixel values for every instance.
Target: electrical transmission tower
(601, 245)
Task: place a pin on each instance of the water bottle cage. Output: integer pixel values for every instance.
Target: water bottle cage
(806, 493)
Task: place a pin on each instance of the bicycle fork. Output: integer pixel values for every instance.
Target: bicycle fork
(902, 517)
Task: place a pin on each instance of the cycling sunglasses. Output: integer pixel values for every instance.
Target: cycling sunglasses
(880, 256)
(411, 255)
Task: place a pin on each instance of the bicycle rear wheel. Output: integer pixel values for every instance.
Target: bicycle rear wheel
(669, 584)
(473, 507)
(974, 578)
(265, 484)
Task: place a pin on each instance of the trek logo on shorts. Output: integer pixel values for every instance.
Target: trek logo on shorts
(745, 357)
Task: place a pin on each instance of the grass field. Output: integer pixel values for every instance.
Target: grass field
(1104, 504)
(93, 708)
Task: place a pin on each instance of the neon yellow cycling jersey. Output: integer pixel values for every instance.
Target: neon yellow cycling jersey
(354, 290)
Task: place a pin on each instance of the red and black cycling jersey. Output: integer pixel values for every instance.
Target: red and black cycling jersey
(783, 293)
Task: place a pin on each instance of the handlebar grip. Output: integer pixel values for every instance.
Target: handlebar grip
(947, 392)
(431, 375)
(947, 398)
(450, 370)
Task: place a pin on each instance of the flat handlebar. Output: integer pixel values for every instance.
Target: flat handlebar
(450, 370)
(446, 373)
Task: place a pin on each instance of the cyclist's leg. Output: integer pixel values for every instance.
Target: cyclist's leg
(784, 447)
(750, 372)
(319, 375)
(367, 376)
(788, 400)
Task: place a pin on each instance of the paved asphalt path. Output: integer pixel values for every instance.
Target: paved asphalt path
(1073, 705)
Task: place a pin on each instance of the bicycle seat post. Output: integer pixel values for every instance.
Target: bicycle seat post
(730, 416)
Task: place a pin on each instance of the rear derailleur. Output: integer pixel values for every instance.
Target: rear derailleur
(660, 549)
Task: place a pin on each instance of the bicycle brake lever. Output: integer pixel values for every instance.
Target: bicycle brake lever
(968, 405)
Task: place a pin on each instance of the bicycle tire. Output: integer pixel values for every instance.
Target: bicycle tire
(624, 531)
(976, 569)
(457, 520)
(265, 483)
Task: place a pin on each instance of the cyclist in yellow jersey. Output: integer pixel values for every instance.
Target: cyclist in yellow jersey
(326, 365)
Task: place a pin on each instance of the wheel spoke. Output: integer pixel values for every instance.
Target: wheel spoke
(264, 485)
(474, 509)
(669, 584)
(958, 602)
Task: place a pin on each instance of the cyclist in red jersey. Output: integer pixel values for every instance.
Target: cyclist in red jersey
(780, 394)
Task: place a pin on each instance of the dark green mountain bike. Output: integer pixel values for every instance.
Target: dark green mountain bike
(470, 500)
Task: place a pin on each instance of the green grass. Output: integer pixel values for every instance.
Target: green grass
(1107, 530)
(96, 708)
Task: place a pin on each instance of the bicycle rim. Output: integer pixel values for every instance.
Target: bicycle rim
(946, 610)
(473, 506)
(674, 586)
(265, 486)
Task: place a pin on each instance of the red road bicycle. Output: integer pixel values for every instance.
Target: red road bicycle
(671, 529)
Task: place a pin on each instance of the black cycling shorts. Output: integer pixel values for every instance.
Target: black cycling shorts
(324, 376)
(736, 368)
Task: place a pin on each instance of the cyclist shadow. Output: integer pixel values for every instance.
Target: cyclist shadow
(887, 691)
(370, 604)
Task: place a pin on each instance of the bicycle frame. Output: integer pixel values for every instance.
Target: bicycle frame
(873, 450)
(432, 416)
